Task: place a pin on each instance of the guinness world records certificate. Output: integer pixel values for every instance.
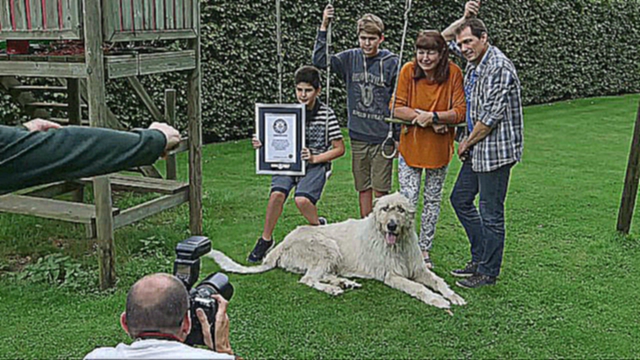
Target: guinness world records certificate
(280, 128)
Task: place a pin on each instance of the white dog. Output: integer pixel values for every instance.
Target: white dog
(383, 246)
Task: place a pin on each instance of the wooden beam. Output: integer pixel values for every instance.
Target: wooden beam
(50, 208)
(119, 66)
(194, 111)
(73, 98)
(143, 184)
(146, 99)
(75, 118)
(149, 208)
(43, 69)
(98, 118)
(126, 36)
(170, 115)
(50, 190)
(630, 191)
(166, 62)
(41, 35)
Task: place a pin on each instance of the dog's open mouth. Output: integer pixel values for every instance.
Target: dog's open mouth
(391, 238)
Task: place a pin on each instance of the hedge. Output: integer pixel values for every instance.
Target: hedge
(563, 49)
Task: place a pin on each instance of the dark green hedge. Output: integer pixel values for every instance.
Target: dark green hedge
(562, 49)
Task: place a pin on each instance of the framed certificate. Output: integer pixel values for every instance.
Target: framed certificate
(280, 129)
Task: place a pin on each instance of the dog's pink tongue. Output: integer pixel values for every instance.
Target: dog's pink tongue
(391, 238)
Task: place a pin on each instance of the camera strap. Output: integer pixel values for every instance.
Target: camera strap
(157, 335)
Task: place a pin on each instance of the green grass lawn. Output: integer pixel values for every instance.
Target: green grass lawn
(569, 284)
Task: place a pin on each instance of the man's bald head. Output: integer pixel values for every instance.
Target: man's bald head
(156, 303)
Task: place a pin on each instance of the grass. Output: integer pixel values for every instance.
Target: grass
(568, 287)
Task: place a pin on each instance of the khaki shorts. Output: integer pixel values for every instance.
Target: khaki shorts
(370, 168)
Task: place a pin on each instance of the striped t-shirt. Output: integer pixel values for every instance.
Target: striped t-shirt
(316, 127)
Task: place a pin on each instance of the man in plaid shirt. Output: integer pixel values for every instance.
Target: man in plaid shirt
(492, 145)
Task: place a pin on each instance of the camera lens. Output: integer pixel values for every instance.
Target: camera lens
(217, 283)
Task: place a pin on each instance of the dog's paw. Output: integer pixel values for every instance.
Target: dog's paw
(440, 302)
(335, 291)
(456, 299)
(348, 284)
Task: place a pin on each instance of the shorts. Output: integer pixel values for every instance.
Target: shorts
(309, 186)
(370, 168)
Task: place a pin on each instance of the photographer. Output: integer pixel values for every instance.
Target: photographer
(42, 151)
(157, 318)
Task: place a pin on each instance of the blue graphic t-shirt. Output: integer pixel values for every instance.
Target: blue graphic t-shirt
(370, 83)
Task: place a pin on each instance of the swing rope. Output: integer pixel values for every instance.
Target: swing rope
(328, 87)
(279, 41)
(407, 9)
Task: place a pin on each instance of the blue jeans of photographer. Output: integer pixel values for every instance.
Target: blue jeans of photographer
(484, 225)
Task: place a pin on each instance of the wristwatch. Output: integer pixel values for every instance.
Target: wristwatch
(436, 118)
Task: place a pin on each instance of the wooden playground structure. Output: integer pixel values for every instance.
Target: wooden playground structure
(99, 25)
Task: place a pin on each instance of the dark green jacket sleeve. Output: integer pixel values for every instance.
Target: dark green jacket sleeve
(33, 158)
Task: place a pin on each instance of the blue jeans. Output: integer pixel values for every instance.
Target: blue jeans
(484, 226)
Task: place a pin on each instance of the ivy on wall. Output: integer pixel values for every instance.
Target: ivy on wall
(562, 49)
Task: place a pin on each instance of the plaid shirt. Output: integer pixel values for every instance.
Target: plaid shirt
(493, 98)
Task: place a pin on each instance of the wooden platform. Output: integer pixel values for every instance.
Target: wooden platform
(143, 184)
(116, 66)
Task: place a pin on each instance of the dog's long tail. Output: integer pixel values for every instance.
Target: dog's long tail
(227, 264)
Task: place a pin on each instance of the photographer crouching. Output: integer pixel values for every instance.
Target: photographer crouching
(160, 309)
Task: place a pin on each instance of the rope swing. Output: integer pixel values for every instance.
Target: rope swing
(407, 9)
(279, 41)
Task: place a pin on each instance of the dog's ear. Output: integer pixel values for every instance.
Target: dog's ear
(375, 201)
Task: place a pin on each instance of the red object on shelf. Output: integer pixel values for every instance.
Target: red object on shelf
(17, 47)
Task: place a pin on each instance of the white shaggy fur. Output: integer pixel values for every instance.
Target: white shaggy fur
(370, 248)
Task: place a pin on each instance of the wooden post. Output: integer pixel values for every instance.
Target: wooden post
(194, 111)
(625, 215)
(98, 117)
(170, 115)
(146, 99)
(75, 118)
(73, 99)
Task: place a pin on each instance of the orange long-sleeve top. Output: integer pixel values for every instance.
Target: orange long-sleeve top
(422, 147)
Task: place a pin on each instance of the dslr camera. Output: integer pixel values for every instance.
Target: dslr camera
(186, 267)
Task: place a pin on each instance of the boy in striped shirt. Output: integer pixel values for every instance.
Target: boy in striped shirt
(324, 144)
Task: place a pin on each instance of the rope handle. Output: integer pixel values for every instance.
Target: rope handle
(407, 9)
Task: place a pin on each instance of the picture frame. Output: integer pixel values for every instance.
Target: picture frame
(280, 128)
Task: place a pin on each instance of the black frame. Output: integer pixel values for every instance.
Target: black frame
(296, 168)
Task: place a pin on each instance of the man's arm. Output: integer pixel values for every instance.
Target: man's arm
(480, 131)
(471, 9)
(33, 158)
(500, 84)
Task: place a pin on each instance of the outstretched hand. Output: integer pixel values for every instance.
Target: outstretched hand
(471, 9)
(172, 135)
(40, 125)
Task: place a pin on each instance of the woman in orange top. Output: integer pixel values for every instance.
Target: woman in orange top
(431, 95)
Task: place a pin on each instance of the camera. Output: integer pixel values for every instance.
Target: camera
(186, 267)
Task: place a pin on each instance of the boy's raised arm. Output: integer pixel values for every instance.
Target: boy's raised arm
(320, 47)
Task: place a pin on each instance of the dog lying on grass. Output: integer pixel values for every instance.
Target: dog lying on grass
(383, 246)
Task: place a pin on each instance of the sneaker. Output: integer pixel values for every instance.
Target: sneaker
(476, 281)
(260, 250)
(469, 270)
(322, 221)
